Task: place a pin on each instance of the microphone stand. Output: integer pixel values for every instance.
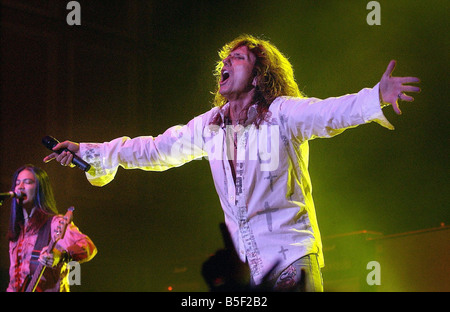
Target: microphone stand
(1, 201)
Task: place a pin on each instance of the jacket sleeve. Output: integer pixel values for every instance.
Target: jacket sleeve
(78, 245)
(310, 118)
(175, 147)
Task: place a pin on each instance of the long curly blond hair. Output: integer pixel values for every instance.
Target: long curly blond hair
(275, 76)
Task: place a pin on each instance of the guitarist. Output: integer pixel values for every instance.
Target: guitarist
(33, 222)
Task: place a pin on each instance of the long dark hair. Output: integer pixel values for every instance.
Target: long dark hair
(44, 201)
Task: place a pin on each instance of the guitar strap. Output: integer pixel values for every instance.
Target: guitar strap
(43, 239)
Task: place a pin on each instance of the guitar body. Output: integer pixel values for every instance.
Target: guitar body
(25, 284)
(31, 282)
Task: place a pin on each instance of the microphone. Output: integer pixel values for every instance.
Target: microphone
(11, 194)
(50, 142)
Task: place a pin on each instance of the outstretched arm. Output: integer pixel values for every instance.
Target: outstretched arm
(392, 88)
(175, 147)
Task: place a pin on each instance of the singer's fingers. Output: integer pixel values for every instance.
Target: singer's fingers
(68, 159)
(41, 260)
(50, 157)
(65, 158)
(71, 146)
(46, 260)
(43, 255)
(390, 68)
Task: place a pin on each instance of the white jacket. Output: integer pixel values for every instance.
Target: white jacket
(269, 211)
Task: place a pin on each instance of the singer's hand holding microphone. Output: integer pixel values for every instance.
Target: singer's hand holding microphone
(64, 153)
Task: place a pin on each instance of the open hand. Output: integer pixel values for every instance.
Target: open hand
(392, 88)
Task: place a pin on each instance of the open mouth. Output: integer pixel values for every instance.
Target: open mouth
(225, 76)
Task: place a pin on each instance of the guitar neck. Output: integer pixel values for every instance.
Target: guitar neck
(39, 271)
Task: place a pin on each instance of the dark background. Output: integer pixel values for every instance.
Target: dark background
(138, 67)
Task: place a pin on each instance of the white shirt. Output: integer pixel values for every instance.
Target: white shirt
(269, 211)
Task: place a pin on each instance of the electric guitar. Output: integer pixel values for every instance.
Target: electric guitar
(59, 234)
